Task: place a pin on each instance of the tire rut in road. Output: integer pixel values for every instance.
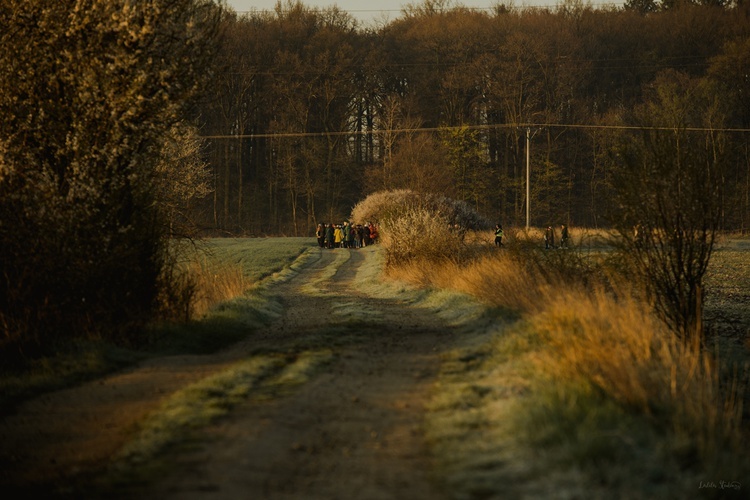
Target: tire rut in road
(355, 431)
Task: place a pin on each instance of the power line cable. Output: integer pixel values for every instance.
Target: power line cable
(448, 10)
(283, 135)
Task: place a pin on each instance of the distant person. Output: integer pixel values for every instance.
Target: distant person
(498, 235)
(320, 233)
(359, 235)
(346, 230)
(373, 233)
(549, 238)
(338, 236)
(351, 238)
(564, 237)
(366, 241)
(329, 235)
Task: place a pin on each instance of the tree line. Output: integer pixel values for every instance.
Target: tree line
(310, 111)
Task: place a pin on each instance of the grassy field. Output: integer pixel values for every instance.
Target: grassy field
(727, 312)
(257, 258)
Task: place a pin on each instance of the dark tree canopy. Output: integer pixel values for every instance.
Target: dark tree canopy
(331, 110)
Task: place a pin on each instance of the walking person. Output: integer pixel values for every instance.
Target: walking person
(329, 235)
(346, 230)
(564, 237)
(351, 241)
(320, 234)
(366, 235)
(498, 235)
(359, 236)
(338, 236)
(373, 233)
(549, 238)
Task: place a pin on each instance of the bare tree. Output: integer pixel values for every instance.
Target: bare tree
(668, 192)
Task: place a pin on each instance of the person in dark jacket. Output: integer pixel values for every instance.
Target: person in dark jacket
(498, 235)
(329, 236)
(320, 233)
(346, 230)
(360, 236)
(564, 236)
(549, 238)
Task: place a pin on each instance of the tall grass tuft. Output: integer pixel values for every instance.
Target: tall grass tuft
(623, 350)
(197, 284)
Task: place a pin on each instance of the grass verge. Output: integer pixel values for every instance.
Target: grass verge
(585, 395)
(225, 321)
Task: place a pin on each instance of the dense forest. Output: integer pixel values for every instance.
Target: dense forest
(310, 110)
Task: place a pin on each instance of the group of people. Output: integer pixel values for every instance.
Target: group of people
(346, 235)
(549, 236)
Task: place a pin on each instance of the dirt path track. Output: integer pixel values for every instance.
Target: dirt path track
(354, 431)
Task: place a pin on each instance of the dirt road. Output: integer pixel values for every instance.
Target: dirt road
(353, 431)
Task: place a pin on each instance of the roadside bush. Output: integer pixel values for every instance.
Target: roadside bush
(384, 206)
(419, 226)
(419, 234)
(94, 96)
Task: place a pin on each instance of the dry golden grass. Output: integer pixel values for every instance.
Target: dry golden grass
(217, 270)
(619, 347)
(495, 280)
(213, 284)
(609, 340)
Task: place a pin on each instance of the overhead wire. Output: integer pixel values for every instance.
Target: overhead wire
(270, 10)
(282, 135)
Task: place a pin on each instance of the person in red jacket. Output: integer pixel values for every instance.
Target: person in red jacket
(373, 232)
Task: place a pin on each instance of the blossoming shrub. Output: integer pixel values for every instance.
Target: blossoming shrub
(419, 225)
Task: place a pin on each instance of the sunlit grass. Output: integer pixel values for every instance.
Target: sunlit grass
(216, 270)
(587, 394)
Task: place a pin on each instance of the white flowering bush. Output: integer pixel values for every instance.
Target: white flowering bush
(417, 225)
(95, 158)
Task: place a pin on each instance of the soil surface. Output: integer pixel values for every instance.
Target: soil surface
(353, 431)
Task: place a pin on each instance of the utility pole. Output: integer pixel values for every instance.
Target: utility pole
(528, 176)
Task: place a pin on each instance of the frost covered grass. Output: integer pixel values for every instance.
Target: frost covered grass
(260, 377)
